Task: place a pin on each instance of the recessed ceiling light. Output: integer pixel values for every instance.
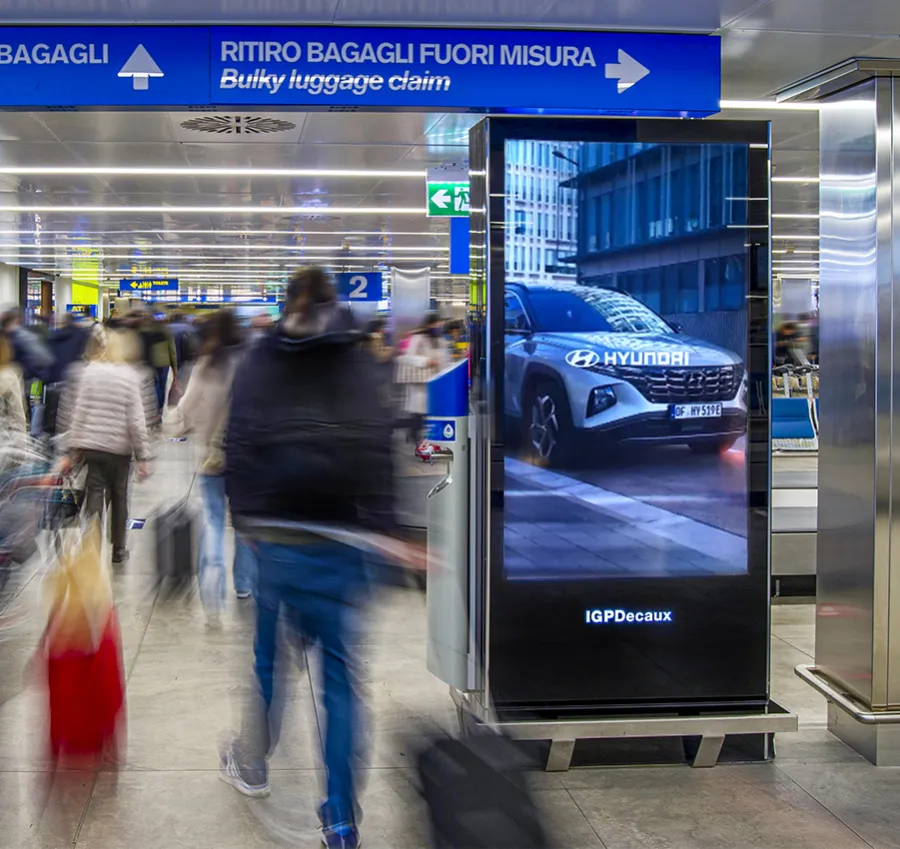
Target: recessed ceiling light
(795, 179)
(223, 210)
(796, 215)
(225, 232)
(769, 104)
(804, 238)
(151, 171)
(165, 231)
(192, 247)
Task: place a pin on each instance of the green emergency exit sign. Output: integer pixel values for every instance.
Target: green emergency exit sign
(447, 199)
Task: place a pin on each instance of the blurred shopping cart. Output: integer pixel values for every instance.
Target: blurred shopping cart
(35, 505)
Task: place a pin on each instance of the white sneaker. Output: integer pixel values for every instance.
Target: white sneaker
(254, 784)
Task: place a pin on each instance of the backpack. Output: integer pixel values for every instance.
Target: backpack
(188, 346)
(309, 436)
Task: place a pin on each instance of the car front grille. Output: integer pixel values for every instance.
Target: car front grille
(702, 384)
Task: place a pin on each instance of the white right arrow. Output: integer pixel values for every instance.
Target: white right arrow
(627, 71)
(440, 199)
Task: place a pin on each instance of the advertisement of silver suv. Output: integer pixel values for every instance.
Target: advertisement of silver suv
(625, 389)
(589, 367)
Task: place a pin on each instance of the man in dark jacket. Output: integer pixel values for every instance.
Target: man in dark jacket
(29, 352)
(308, 469)
(67, 345)
(187, 345)
(33, 358)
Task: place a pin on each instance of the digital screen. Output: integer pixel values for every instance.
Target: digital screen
(625, 365)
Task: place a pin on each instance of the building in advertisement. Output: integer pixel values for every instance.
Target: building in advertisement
(664, 223)
(541, 210)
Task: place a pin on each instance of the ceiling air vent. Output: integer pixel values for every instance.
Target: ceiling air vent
(238, 125)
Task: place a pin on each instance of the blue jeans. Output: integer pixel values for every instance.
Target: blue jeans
(212, 547)
(162, 379)
(318, 588)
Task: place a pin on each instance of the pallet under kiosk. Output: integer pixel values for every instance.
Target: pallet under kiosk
(617, 583)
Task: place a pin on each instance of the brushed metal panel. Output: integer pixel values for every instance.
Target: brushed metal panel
(848, 291)
(887, 633)
(884, 384)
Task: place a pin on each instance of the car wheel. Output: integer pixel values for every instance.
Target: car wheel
(549, 434)
(713, 446)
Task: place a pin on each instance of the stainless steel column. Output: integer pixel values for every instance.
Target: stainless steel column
(858, 556)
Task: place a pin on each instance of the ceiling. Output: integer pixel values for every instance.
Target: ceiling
(766, 45)
(276, 220)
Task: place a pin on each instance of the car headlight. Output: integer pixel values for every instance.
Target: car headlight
(600, 400)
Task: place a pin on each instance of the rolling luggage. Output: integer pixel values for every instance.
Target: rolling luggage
(476, 793)
(81, 654)
(175, 549)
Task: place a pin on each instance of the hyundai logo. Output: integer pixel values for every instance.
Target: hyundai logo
(695, 380)
(582, 359)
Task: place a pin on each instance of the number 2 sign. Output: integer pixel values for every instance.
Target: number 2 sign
(358, 287)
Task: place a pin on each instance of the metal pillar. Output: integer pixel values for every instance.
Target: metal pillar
(858, 561)
(46, 298)
(23, 287)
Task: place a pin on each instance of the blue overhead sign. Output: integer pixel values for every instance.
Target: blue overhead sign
(85, 310)
(104, 66)
(360, 287)
(322, 67)
(139, 285)
(464, 69)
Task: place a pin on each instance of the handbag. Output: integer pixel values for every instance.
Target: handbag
(413, 374)
(408, 373)
(63, 505)
(176, 393)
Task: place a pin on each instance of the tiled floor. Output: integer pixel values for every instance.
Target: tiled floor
(184, 692)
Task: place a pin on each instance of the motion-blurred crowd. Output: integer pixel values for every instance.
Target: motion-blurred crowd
(294, 421)
(797, 340)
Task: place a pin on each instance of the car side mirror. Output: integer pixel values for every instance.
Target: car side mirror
(678, 328)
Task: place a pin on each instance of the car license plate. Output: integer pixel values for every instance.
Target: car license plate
(696, 411)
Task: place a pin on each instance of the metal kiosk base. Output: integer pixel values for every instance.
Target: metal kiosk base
(874, 734)
(563, 734)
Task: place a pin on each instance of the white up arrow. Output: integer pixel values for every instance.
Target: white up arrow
(140, 67)
(440, 198)
(627, 71)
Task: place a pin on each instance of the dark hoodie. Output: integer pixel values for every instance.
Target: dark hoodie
(67, 346)
(309, 437)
